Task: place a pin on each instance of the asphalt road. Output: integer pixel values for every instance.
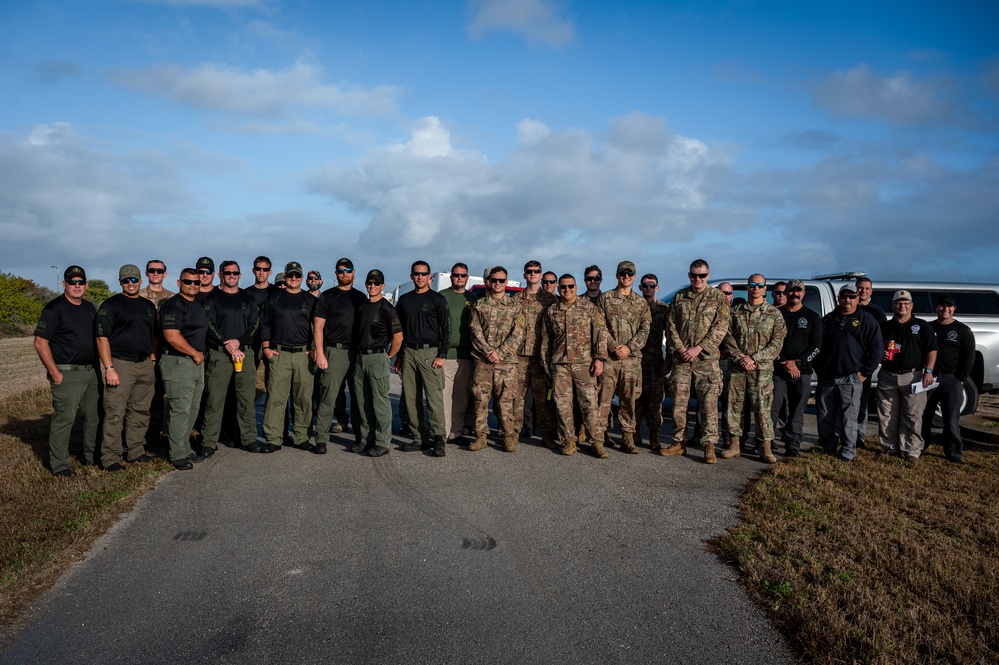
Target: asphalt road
(485, 557)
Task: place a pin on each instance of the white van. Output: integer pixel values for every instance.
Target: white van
(440, 281)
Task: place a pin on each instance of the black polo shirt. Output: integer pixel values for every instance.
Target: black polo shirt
(914, 338)
(287, 319)
(337, 306)
(375, 323)
(69, 330)
(129, 324)
(425, 320)
(179, 313)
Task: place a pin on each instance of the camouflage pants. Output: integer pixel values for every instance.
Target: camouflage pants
(624, 377)
(575, 380)
(753, 392)
(706, 378)
(649, 407)
(531, 374)
(499, 381)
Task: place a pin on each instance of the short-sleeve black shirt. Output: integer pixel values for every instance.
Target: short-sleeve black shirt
(287, 319)
(915, 338)
(129, 324)
(337, 307)
(179, 313)
(69, 330)
(425, 319)
(231, 316)
(374, 324)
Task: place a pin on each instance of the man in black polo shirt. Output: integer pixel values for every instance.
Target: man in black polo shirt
(376, 328)
(285, 338)
(910, 352)
(206, 273)
(182, 361)
(793, 367)
(332, 332)
(64, 341)
(426, 329)
(233, 319)
(955, 361)
(126, 332)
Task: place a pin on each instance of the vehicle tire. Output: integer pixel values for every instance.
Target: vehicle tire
(970, 403)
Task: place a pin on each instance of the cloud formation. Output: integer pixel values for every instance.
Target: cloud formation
(899, 98)
(536, 21)
(260, 92)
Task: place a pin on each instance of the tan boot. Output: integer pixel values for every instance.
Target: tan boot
(678, 448)
(581, 434)
(608, 441)
(765, 453)
(732, 450)
(509, 442)
(598, 450)
(480, 441)
(549, 441)
(654, 444)
(569, 448)
(628, 443)
(709, 454)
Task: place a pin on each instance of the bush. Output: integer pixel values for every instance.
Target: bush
(21, 302)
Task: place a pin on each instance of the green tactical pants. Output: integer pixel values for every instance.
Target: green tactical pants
(290, 375)
(184, 382)
(340, 366)
(79, 390)
(219, 371)
(417, 370)
(371, 391)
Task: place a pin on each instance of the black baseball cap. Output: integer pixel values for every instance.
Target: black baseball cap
(346, 263)
(947, 299)
(375, 276)
(205, 262)
(74, 271)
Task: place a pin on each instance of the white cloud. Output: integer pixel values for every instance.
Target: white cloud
(537, 21)
(262, 91)
(900, 98)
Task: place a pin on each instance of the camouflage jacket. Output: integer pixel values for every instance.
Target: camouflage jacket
(573, 333)
(757, 332)
(157, 297)
(628, 320)
(532, 306)
(652, 352)
(697, 320)
(496, 325)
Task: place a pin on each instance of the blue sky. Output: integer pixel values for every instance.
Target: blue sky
(786, 138)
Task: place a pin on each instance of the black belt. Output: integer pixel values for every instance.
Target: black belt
(903, 371)
(67, 367)
(338, 345)
(421, 346)
(290, 349)
(172, 352)
(368, 352)
(130, 359)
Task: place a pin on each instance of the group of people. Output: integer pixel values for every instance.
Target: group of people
(553, 355)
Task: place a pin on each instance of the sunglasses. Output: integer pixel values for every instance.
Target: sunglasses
(848, 296)
(420, 274)
(189, 282)
(593, 279)
(293, 275)
(779, 293)
(372, 283)
(76, 282)
(459, 275)
(756, 285)
(698, 275)
(497, 280)
(315, 279)
(230, 273)
(648, 285)
(344, 271)
(204, 271)
(260, 269)
(155, 271)
(533, 271)
(626, 273)
(129, 280)
(548, 281)
(566, 287)
(728, 293)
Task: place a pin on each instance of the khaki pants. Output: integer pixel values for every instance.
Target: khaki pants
(457, 394)
(900, 413)
(127, 406)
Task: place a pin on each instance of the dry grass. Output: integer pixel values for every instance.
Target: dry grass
(48, 523)
(877, 561)
(20, 369)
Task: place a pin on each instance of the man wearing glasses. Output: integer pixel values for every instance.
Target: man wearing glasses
(285, 339)
(126, 332)
(426, 329)
(154, 291)
(851, 349)
(549, 282)
(756, 334)
(533, 301)
(779, 294)
(206, 273)
(627, 317)
(497, 328)
(332, 338)
(233, 319)
(574, 347)
(793, 367)
(458, 364)
(377, 333)
(698, 322)
(649, 406)
(594, 277)
(64, 341)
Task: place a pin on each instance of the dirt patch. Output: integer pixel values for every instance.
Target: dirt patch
(20, 368)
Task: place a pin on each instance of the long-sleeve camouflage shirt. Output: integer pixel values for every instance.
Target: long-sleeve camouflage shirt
(628, 319)
(652, 352)
(532, 306)
(573, 334)
(496, 324)
(755, 331)
(697, 319)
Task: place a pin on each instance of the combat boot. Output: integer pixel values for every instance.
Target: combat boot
(654, 444)
(608, 441)
(581, 434)
(709, 453)
(509, 443)
(569, 448)
(549, 441)
(678, 448)
(480, 441)
(732, 450)
(628, 443)
(598, 449)
(766, 454)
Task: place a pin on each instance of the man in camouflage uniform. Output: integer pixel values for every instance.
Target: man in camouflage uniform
(628, 319)
(649, 406)
(756, 335)
(696, 325)
(497, 328)
(574, 346)
(533, 301)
